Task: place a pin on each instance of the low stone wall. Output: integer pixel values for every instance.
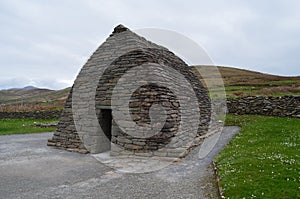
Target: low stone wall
(288, 106)
(31, 115)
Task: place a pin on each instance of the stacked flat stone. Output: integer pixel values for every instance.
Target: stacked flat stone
(286, 106)
(135, 51)
(51, 114)
(66, 136)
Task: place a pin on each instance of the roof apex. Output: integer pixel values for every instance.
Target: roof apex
(119, 28)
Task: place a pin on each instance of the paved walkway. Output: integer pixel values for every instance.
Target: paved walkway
(30, 169)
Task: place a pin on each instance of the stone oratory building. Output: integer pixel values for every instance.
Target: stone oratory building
(118, 96)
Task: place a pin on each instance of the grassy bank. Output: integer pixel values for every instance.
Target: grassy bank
(22, 126)
(263, 161)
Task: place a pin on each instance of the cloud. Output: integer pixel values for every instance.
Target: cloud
(21, 82)
(53, 40)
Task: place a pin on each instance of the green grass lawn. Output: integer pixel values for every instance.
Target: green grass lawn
(263, 160)
(22, 126)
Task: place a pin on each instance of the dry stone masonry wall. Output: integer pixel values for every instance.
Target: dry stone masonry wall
(65, 136)
(93, 128)
(287, 106)
(96, 82)
(55, 114)
(149, 95)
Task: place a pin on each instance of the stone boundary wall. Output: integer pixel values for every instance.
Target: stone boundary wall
(287, 106)
(55, 114)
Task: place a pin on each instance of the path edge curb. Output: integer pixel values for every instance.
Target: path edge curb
(217, 180)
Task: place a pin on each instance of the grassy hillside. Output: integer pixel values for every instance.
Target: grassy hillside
(35, 99)
(238, 83)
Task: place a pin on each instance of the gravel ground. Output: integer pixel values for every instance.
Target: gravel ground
(30, 169)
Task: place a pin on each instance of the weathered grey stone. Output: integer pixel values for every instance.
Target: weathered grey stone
(287, 106)
(135, 51)
(31, 115)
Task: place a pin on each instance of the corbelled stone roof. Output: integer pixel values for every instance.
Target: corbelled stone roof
(80, 129)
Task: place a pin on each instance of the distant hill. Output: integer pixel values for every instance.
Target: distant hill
(31, 94)
(32, 98)
(25, 88)
(238, 83)
(29, 88)
(241, 82)
(235, 76)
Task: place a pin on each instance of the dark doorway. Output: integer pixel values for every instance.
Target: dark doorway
(105, 121)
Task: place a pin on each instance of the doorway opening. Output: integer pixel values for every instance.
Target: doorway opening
(105, 121)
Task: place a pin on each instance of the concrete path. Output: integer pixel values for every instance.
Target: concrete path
(30, 169)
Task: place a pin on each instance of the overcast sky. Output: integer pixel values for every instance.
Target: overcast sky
(45, 43)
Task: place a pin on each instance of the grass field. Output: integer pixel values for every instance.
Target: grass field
(263, 160)
(22, 126)
(242, 83)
